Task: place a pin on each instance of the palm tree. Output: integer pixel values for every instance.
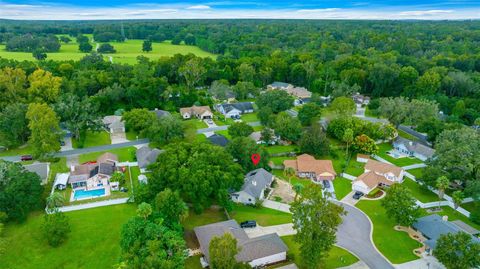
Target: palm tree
(442, 184)
(289, 172)
(457, 197)
(54, 201)
(297, 187)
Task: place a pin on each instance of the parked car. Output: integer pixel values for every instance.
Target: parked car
(26, 158)
(357, 195)
(248, 224)
(326, 184)
(62, 143)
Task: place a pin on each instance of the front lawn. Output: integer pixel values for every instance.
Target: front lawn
(382, 152)
(92, 139)
(224, 133)
(124, 155)
(249, 117)
(22, 150)
(338, 257)
(421, 193)
(196, 123)
(92, 243)
(395, 245)
(263, 216)
(281, 149)
(342, 187)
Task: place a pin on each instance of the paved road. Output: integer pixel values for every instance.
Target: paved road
(354, 234)
(86, 150)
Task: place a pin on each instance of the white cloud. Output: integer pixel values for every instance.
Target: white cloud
(425, 12)
(199, 7)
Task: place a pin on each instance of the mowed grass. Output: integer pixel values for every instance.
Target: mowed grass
(382, 152)
(93, 241)
(93, 139)
(124, 155)
(263, 216)
(355, 168)
(338, 257)
(395, 245)
(249, 117)
(281, 149)
(342, 187)
(22, 150)
(127, 52)
(421, 193)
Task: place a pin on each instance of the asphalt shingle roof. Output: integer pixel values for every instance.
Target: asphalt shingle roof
(256, 181)
(415, 147)
(218, 140)
(146, 156)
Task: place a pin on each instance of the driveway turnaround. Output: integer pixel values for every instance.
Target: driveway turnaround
(354, 235)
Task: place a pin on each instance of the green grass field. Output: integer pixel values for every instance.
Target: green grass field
(92, 243)
(281, 149)
(250, 117)
(263, 216)
(395, 245)
(124, 155)
(355, 168)
(338, 257)
(127, 52)
(382, 152)
(93, 139)
(422, 194)
(342, 187)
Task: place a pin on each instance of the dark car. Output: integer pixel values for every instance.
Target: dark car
(62, 143)
(357, 195)
(248, 224)
(26, 158)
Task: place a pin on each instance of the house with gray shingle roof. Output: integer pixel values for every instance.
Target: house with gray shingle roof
(41, 169)
(411, 148)
(258, 251)
(146, 156)
(234, 109)
(433, 226)
(254, 187)
(160, 113)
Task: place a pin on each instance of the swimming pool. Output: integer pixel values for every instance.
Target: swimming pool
(83, 194)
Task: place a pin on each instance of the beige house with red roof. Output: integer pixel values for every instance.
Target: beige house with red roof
(200, 112)
(377, 174)
(307, 166)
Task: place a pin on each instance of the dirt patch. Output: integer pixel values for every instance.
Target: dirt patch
(191, 239)
(282, 192)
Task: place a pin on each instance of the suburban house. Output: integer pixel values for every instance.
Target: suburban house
(200, 112)
(433, 226)
(257, 137)
(160, 113)
(302, 95)
(234, 109)
(377, 174)
(93, 178)
(254, 187)
(360, 100)
(218, 140)
(409, 148)
(114, 124)
(258, 251)
(229, 97)
(41, 169)
(306, 166)
(146, 156)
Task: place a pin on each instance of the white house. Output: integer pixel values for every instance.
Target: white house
(234, 109)
(406, 147)
(258, 251)
(254, 187)
(377, 174)
(61, 181)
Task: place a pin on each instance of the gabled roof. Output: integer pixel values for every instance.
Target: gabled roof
(61, 179)
(146, 156)
(433, 226)
(195, 110)
(160, 113)
(41, 169)
(106, 169)
(256, 181)
(107, 157)
(250, 248)
(371, 179)
(415, 146)
(307, 163)
(383, 168)
(218, 140)
(278, 84)
(107, 120)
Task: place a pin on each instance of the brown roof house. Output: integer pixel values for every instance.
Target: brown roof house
(258, 251)
(377, 174)
(307, 166)
(200, 112)
(92, 179)
(302, 95)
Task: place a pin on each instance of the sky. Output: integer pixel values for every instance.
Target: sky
(273, 9)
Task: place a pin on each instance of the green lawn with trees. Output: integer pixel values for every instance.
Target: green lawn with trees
(385, 147)
(342, 187)
(395, 245)
(124, 155)
(262, 215)
(92, 139)
(421, 193)
(94, 237)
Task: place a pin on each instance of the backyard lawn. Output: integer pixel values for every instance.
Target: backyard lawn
(342, 187)
(472, 206)
(417, 172)
(263, 216)
(338, 257)
(92, 139)
(281, 149)
(294, 180)
(422, 194)
(279, 160)
(124, 155)
(395, 245)
(193, 262)
(210, 215)
(382, 152)
(454, 215)
(355, 168)
(93, 241)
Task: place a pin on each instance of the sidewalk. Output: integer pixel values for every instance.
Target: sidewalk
(276, 206)
(93, 205)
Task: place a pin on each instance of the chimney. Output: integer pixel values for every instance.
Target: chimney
(445, 218)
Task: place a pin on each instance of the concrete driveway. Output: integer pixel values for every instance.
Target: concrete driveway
(354, 234)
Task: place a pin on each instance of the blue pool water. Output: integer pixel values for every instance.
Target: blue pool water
(82, 194)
